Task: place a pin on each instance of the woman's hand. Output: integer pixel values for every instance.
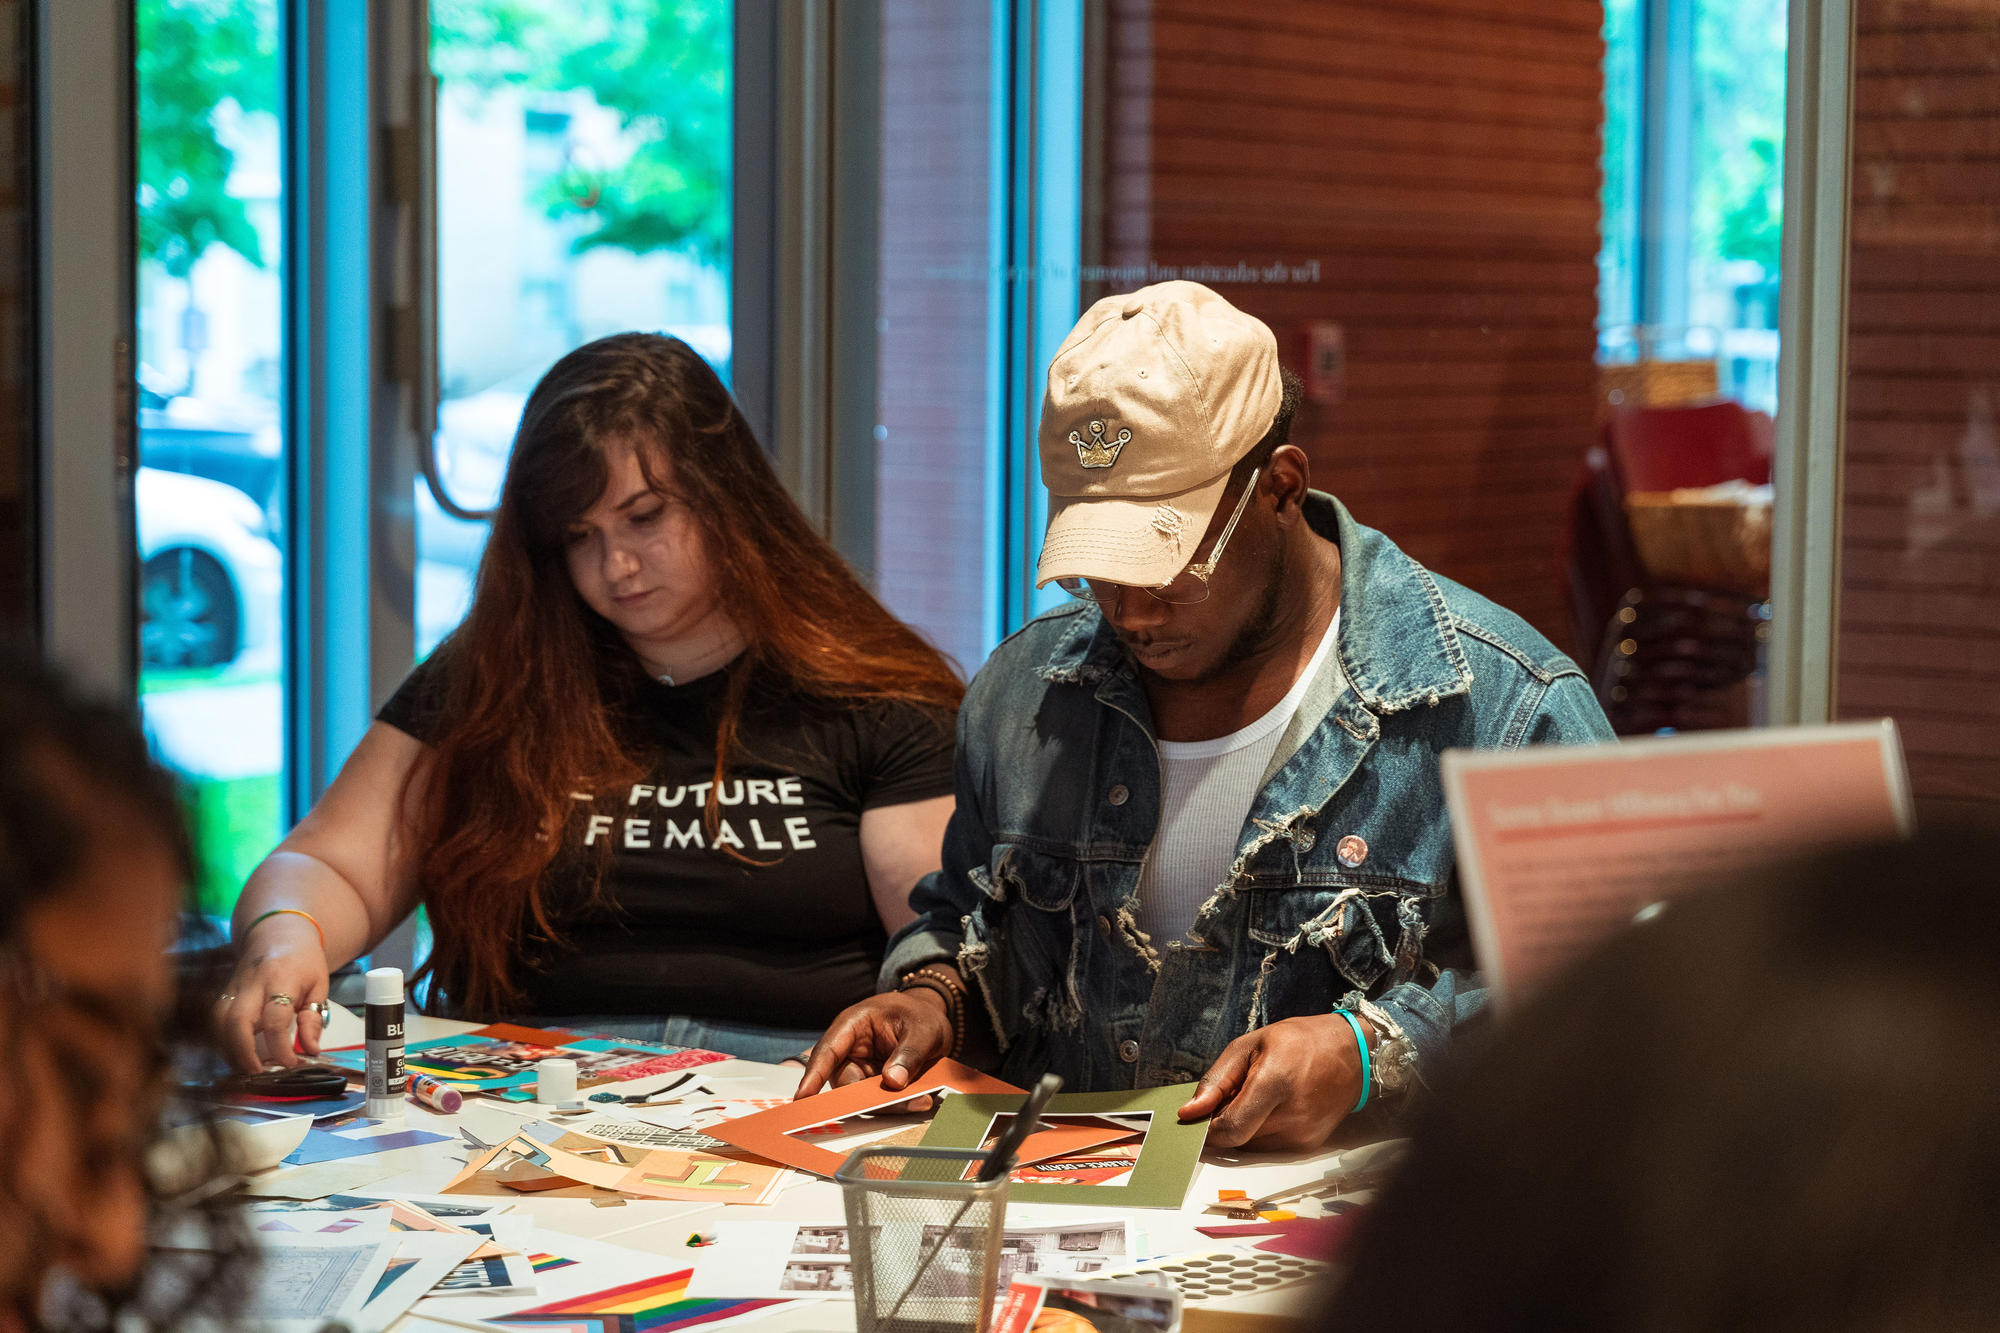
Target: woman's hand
(280, 974)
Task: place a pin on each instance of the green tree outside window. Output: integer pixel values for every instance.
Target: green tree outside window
(662, 65)
(193, 57)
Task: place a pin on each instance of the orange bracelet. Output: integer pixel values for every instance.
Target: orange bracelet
(288, 911)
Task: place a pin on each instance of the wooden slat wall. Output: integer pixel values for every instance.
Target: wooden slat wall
(932, 338)
(1438, 160)
(1920, 538)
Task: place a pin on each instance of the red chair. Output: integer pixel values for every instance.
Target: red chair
(1661, 656)
(1667, 448)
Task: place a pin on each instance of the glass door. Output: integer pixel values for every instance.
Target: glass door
(209, 486)
(583, 189)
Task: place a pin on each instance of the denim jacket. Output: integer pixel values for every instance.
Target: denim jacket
(1059, 798)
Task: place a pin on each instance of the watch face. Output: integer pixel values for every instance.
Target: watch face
(1392, 1065)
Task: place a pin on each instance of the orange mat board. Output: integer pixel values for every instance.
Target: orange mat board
(525, 1035)
(769, 1133)
(544, 1184)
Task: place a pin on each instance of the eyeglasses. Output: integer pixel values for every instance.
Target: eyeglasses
(1185, 588)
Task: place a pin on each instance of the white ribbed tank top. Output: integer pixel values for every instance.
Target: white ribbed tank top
(1206, 791)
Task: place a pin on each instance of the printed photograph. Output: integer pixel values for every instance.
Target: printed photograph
(1105, 1163)
(812, 1275)
(1052, 1250)
(820, 1240)
(476, 1275)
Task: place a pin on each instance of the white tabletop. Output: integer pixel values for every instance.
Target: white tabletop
(663, 1227)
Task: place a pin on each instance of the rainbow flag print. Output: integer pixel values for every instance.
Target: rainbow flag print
(654, 1305)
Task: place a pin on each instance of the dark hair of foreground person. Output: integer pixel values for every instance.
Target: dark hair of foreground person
(1775, 1106)
(95, 868)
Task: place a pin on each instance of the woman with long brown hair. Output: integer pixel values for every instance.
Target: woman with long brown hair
(673, 776)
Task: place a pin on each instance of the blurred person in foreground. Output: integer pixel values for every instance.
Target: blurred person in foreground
(94, 869)
(1771, 1107)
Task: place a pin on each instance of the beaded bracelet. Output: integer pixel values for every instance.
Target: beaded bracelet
(952, 992)
(286, 911)
(1361, 1040)
(954, 1012)
(947, 988)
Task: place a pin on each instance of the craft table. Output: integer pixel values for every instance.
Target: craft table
(662, 1227)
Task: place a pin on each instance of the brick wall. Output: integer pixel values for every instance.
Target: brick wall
(1920, 537)
(1437, 161)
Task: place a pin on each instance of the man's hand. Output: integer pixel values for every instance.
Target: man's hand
(1283, 1087)
(898, 1035)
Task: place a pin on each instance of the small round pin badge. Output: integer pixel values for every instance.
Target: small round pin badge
(1352, 851)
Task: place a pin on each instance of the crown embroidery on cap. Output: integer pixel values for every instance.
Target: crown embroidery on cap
(1097, 451)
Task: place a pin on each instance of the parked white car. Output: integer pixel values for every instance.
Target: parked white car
(210, 577)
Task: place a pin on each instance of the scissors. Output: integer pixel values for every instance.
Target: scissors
(300, 1083)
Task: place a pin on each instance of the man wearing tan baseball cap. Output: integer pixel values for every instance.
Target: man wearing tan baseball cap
(1200, 830)
(1148, 410)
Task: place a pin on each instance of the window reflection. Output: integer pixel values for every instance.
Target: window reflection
(933, 544)
(583, 189)
(1488, 236)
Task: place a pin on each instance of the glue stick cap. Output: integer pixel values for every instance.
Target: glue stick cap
(385, 985)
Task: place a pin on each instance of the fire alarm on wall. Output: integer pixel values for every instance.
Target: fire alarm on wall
(1326, 362)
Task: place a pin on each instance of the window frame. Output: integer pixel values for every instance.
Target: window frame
(1801, 667)
(805, 367)
(86, 301)
(1812, 363)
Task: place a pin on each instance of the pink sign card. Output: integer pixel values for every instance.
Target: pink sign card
(1559, 846)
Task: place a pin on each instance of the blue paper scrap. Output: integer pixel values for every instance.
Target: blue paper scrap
(322, 1146)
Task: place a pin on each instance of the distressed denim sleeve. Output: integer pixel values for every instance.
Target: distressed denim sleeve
(1566, 714)
(1429, 1014)
(945, 897)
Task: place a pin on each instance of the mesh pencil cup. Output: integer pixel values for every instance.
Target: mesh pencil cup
(923, 1234)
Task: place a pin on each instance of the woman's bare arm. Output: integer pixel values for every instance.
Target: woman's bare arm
(351, 865)
(900, 844)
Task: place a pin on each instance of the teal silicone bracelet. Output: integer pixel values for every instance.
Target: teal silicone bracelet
(1367, 1070)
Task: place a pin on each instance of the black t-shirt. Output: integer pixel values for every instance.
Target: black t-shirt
(766, 919)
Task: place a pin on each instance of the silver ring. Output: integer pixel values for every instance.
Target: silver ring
(278, 999)
(324, 1010)
(224, 998)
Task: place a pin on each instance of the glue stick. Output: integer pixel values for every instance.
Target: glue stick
(435, 1093)
(384, 1019)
